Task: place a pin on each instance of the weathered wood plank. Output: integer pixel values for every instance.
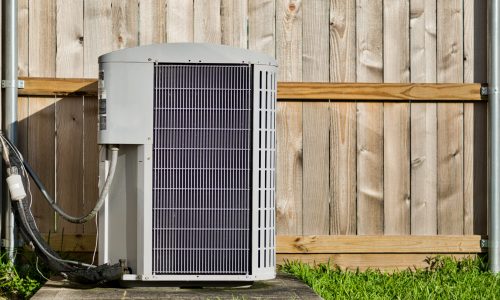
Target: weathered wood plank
(207, 21)
(475, 121)
(315, 41)
(69, 114)
(343, 169)
(343, 119)
(180, 22)
(303, 91)
(152, 21)
(261, 26)
(353, 262)
(424, 169)
(125, 30)
(378, 244)
(97, 34)
(316, 151)
(343, 40)
(370, 127)
(379, 91)
(289, 39)
(423, 120)
(23, 37)
(41, 135)
(450, 119)
(289, 166)
(396, 121)
(234, 21)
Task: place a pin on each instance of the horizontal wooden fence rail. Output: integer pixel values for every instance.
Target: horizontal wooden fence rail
(302, 91)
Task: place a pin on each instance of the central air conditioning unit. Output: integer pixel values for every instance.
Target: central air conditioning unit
(193, 195)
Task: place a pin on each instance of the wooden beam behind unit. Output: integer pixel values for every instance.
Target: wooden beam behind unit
(325, 244)
(293, 91)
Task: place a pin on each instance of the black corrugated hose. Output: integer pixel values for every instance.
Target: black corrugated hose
(74, 271)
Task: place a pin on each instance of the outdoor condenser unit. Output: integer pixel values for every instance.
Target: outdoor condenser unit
(193, 195)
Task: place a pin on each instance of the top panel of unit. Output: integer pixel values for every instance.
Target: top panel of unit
(188, 53)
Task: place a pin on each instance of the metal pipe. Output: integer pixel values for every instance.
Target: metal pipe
(494, 108)
(10, 82)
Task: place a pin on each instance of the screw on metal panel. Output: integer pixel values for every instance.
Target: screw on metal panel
(483, 243)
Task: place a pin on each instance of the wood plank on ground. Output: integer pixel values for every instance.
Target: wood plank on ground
(450, 119)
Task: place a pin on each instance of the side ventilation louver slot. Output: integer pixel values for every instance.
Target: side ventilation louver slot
(202, 169)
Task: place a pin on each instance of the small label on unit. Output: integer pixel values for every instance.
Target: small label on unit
(102, 122)
(102, 106)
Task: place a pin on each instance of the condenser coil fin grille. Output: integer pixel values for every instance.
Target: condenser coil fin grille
(202, 169)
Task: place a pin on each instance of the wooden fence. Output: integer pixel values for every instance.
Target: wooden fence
(344, 167)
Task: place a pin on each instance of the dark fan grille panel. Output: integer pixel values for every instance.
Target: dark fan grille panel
(201, 169)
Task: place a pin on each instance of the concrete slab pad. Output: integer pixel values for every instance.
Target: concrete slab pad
(283, 287)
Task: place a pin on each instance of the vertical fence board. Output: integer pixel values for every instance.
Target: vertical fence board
(234, 21)
(423, 120)
(396, 120)
(343, 169)
(289, 39)
(180, 21)
(98, 34)
(23, 36)
(316, 116)
(207, 21)
(261, 34)
(125, 30)
(41, 135)
(289, 168)
(69, 114)
(370, 118)
(475, 121)
(450, 119)
(152, 22)
(343, 119)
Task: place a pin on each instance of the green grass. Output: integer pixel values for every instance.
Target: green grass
(20, 280)
(445, 278)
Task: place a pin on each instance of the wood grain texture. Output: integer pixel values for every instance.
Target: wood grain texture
(289, 168)
(343, 40)
(261, 34)
(289, 39)
(378, 244)
(369, 41)
(305, 91)
(316, 196)
(180, 21)
(396, 121)
(234, 22)
(450, 119)
(90, 159)
(370, 168)
(97, 34)
(475, 121)
(353, 262)
(23, 37)
(397, 202)
(423, 40)
(370, 120)
(424, 168)
(380, 91)
(69, 115)
(343, 169)
(207, 21)
(125, 30)
(152, 21)
(41, 135)
(315, 41)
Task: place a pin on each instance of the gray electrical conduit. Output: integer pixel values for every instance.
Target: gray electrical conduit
(102, 195)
